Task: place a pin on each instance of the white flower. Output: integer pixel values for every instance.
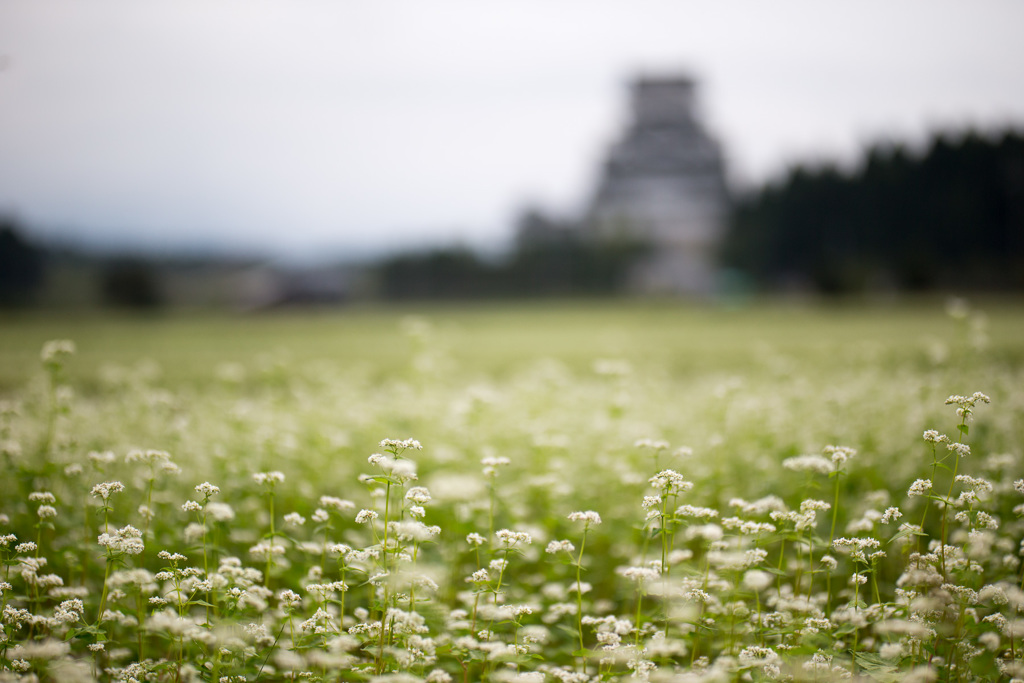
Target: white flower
(418, 494)
(127, 540)
(839, 454)
(588, 516)
(479, 576)
(337, 504)
(556, 546)
(510, 538)
(207, 489)
(104, 490)
(268, 478)
(808, 463)
(401, 444)
(891, 515)
(55, 350)
(670, 482)
(639, 574)
(220, 512)
(961, 449)
(921, 487)
(365, 516)
(294, 519)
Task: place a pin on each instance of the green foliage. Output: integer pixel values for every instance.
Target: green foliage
(951, 216)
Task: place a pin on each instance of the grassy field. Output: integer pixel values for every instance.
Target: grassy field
(496, 338)
(751, 478)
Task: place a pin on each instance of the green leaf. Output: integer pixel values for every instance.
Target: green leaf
(963, 429)
(876, 667)
(906, 532)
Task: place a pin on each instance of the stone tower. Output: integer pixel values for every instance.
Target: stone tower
(664, 183)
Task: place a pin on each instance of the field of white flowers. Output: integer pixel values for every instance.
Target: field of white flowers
(763, 506)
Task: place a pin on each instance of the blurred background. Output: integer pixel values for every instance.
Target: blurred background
(256, 155)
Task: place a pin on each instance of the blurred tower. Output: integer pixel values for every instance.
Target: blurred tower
(664, 183)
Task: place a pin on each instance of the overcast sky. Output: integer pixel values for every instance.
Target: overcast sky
(330, 128)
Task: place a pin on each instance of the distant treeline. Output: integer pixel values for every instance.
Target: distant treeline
(564, 267)
(950, 216)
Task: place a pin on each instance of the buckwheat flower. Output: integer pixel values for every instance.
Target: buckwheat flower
(127, 540)
(26, 547)
(401, 444)
(289, 599)
(808, 463)
(976, 484)
(264, 550)
(56, 350)
(339, 549)
(839, 454)
(498, 565)
(268, 478)
(171, 557)
(694, 511)
(336, 504)
(891, 515)
(479, 576)
(42, 497)
(986, 521)
(378, 459)
(404, 470)
(757, 580)
(438, 676)
(417, 511)
(320, 516)
(191, 506)
(510, 538)
(828, 562)
(557, 546)
(418, 494)
(46, 512)
(105, 489)
(220, 512)
(961, 449)
(670, 482)
(100, 459)
(475, 539)
(492, 463)
(365, 516)
(207, 489)
(96, 647)
(151, 456)
(650, 502)
(655, 445)
(921, 487)
(294, 519)
(933, 436)
(639, 574)
(588, 516)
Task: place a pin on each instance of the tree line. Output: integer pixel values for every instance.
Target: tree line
(948, 216)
